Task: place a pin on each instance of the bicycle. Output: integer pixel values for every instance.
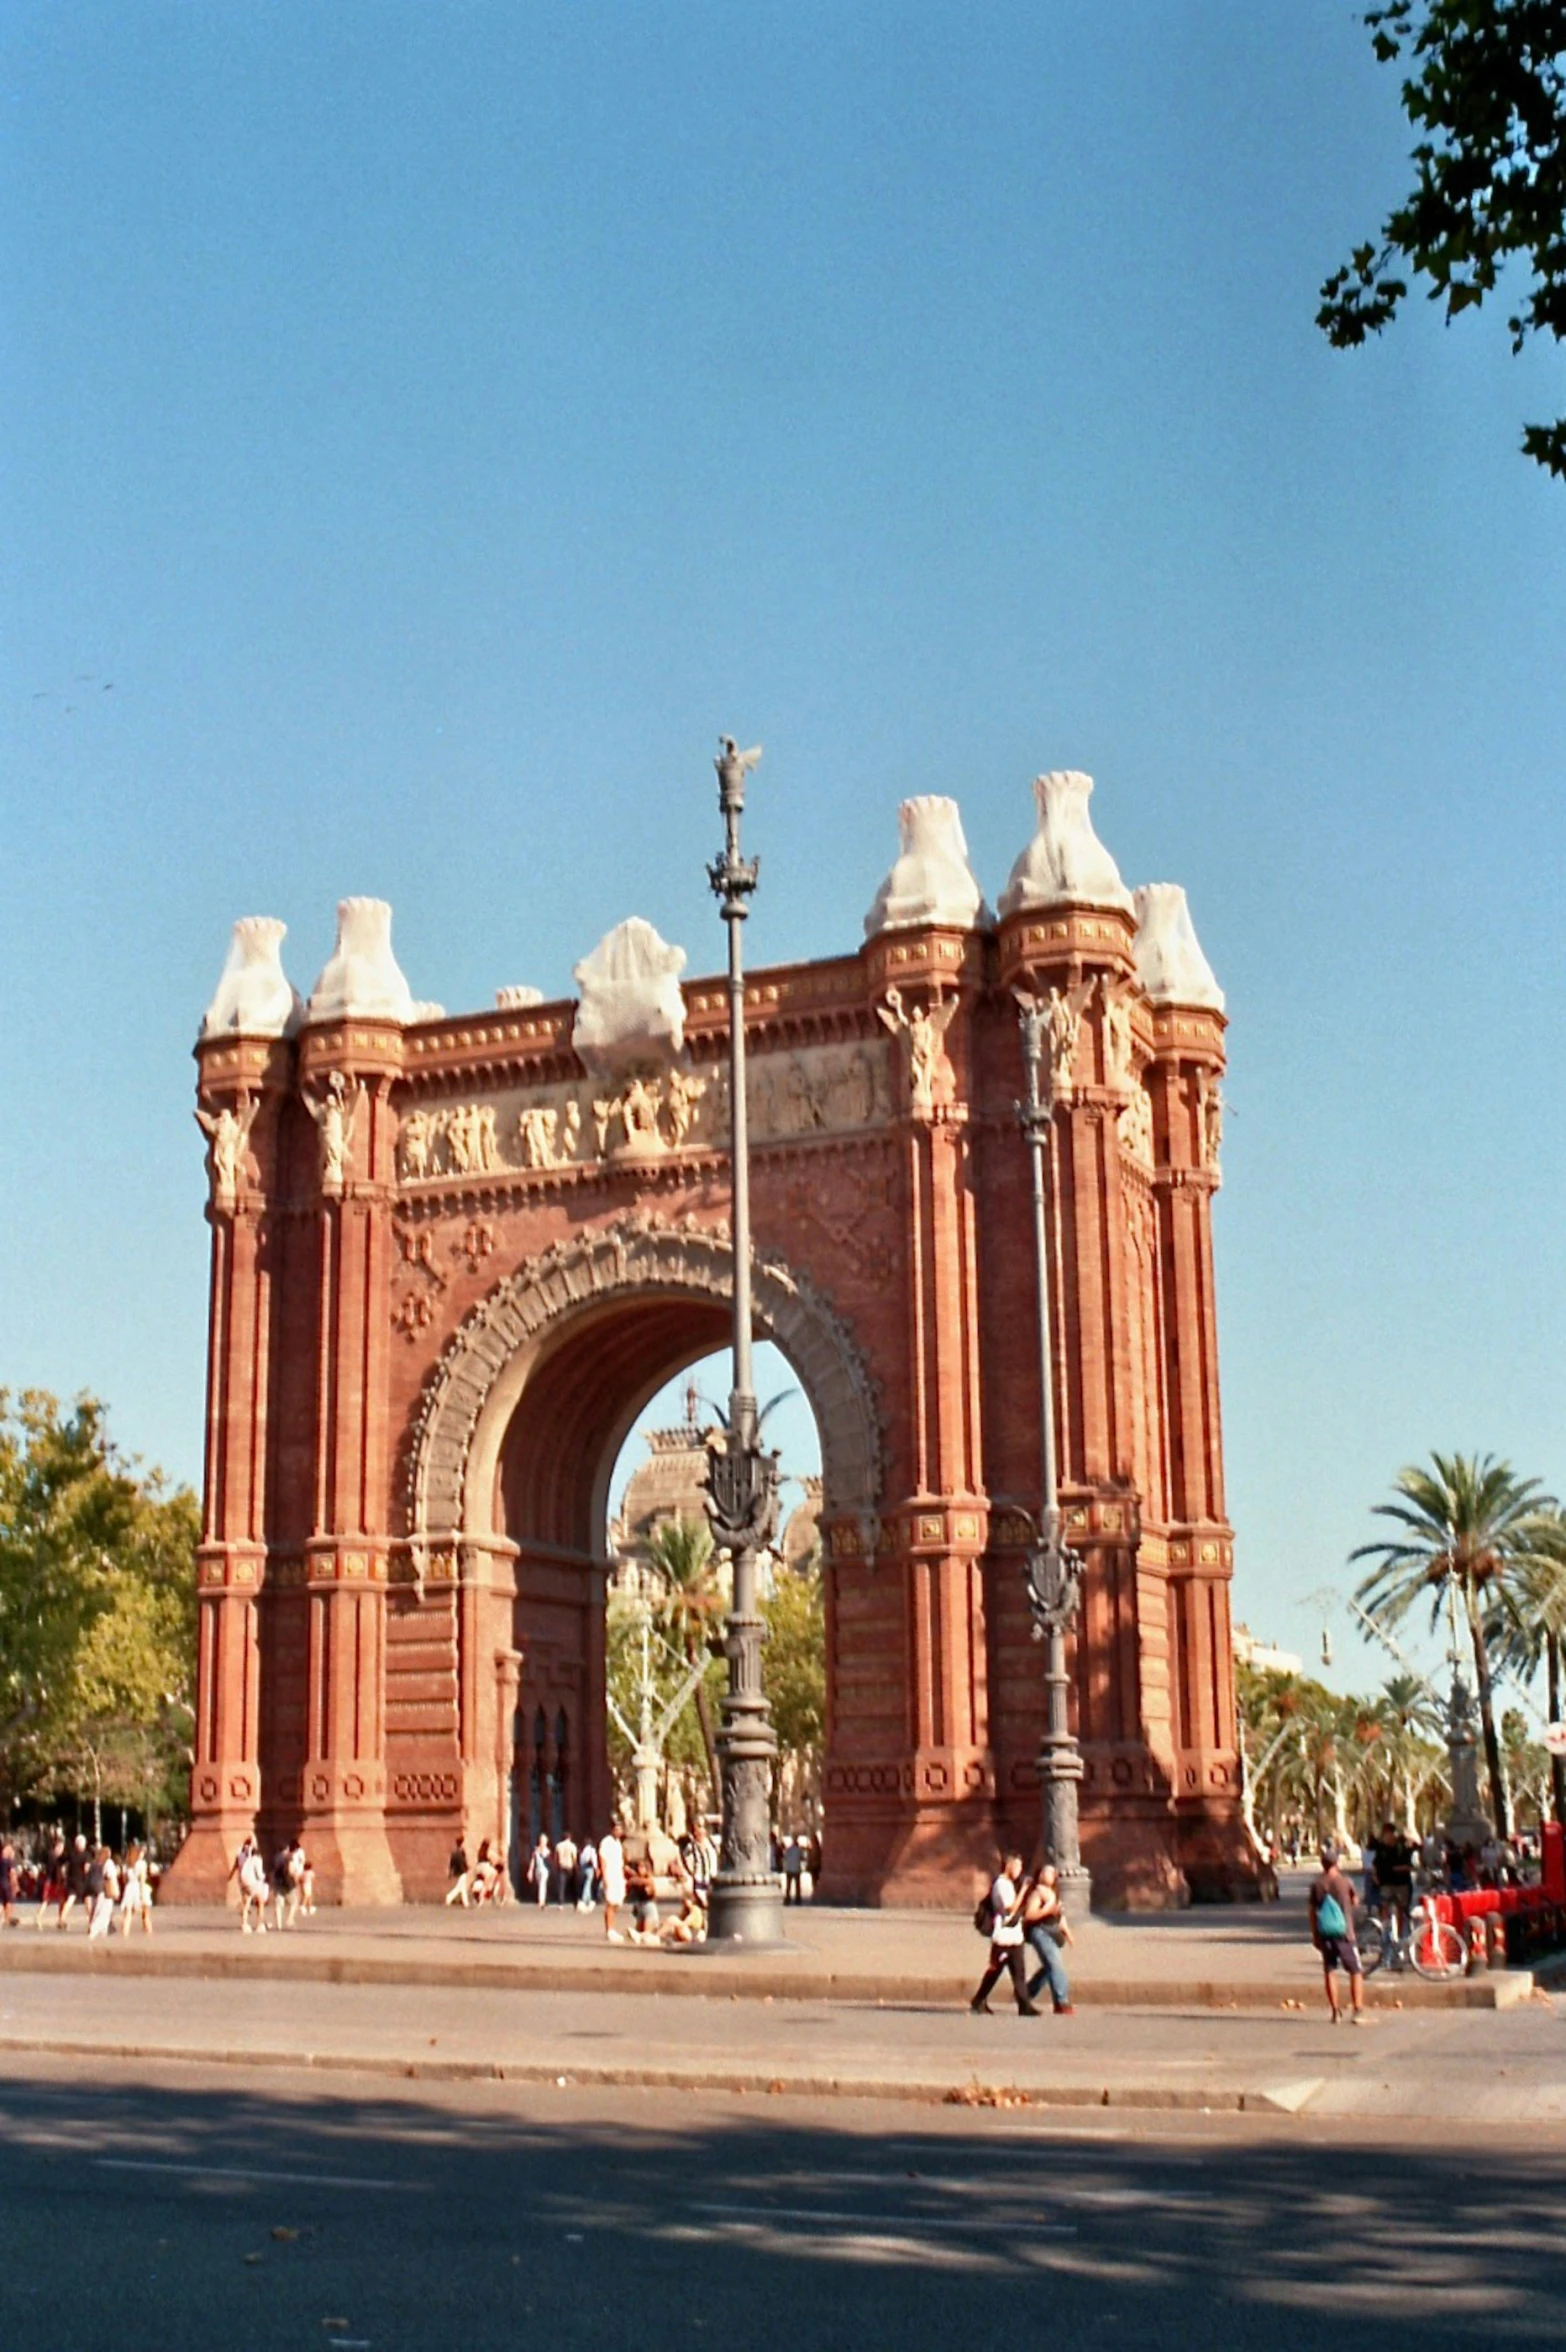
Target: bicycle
(1432, 1947)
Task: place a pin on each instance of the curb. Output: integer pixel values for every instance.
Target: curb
(702, 1978)
(1287, 2098)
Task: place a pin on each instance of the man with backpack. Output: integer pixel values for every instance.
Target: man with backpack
(1000, 1917)
(1332, 1933)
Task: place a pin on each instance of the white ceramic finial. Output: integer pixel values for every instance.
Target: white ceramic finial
(1065, 861)
(254, 996)
(362, 981)
(1169, 959)
(932, 881)
(632, 1012)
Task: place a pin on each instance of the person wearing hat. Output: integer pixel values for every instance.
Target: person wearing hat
(1332, 1932)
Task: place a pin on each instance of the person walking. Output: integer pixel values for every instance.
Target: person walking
(1005, 1908)
(250, 1871)
(136, 1892)
(565, 1869)
(52, 1889)
(103, 1893)
(457, 1872)
(587, 1871)
(7, 1883)
(77, 1864)
(1332, 1932)
(1045, 1929)
(794, 1869)
(611, 1866)
(538, 1870)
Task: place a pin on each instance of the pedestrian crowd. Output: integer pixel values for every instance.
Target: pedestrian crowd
(86, 1877)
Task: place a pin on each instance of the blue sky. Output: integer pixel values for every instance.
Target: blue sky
(424, 427)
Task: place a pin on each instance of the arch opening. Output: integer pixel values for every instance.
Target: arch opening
(516, 1453)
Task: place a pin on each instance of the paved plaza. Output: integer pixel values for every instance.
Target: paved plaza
(1205, 2009)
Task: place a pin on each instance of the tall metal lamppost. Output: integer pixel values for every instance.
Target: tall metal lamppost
(746, 1900)
(1054, 1571)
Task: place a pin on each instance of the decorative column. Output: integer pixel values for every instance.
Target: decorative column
(1184, 1081)
(1066, 940)
(350, 1055)
(245, 1069)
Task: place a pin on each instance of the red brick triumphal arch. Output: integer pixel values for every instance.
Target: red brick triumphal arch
(453, 1257)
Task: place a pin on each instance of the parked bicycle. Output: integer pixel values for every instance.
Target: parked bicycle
(1433, 1948)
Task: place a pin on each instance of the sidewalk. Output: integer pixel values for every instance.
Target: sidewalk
(1254, 1956)
(1456, 2064)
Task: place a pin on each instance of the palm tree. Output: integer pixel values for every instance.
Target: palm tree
(679, 1551)
(1411, 1723)
(1463, 1528)
(1530, 1624)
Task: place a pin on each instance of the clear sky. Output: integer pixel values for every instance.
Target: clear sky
(422, 428)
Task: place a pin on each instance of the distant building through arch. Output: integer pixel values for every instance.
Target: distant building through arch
(454, 1257)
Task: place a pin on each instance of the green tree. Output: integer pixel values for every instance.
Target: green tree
(1464, 1527)
(1527, 1625)
(679, 1551)
(1486, 92)
(794, 1666)
(97, 1593)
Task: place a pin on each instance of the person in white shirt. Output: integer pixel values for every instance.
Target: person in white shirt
(611, 1872)
(1006, 1942)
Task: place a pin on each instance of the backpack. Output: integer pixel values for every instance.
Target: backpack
(984, 1913)
(1330, 1920)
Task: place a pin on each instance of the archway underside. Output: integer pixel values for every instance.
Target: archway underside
(583, 1392)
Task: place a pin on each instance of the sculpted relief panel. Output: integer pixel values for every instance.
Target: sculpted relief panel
(818, 1090)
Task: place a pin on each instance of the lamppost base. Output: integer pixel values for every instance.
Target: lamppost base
(1076, 1892)
(745, 1914)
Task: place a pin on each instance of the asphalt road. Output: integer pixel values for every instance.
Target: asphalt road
(200, 2213)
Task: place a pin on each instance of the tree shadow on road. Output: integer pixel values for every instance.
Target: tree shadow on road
(253, 2215)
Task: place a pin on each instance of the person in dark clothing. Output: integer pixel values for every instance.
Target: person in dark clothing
(76, 1866)
(1391, 1860)
(7, 1883)
(1332, 1905)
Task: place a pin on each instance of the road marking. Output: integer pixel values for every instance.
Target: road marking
(199, 2171)
(957, 2221)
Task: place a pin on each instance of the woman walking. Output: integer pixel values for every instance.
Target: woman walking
(1046, 1928)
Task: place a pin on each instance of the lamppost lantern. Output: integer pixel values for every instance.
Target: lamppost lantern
(746, 1898)
(1052, 1571)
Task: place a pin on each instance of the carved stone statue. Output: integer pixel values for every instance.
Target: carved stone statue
(922, 1029)
(536, 1125)
(1119, 1065)
(682, 1093)
(1136, 1125)
(336, 1113)
(570, 1128)
(415, 1143)
(227, 1132)
(1210, 1105)
(639, 1107)
(1062, 1034)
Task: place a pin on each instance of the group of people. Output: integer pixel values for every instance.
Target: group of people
(476, 1882)
(653, 1890)
(1023, 1912)
(285, 1886)
(105, 1886)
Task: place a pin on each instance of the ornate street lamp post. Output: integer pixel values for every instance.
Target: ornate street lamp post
(1054, 1571)
(746, 1902)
